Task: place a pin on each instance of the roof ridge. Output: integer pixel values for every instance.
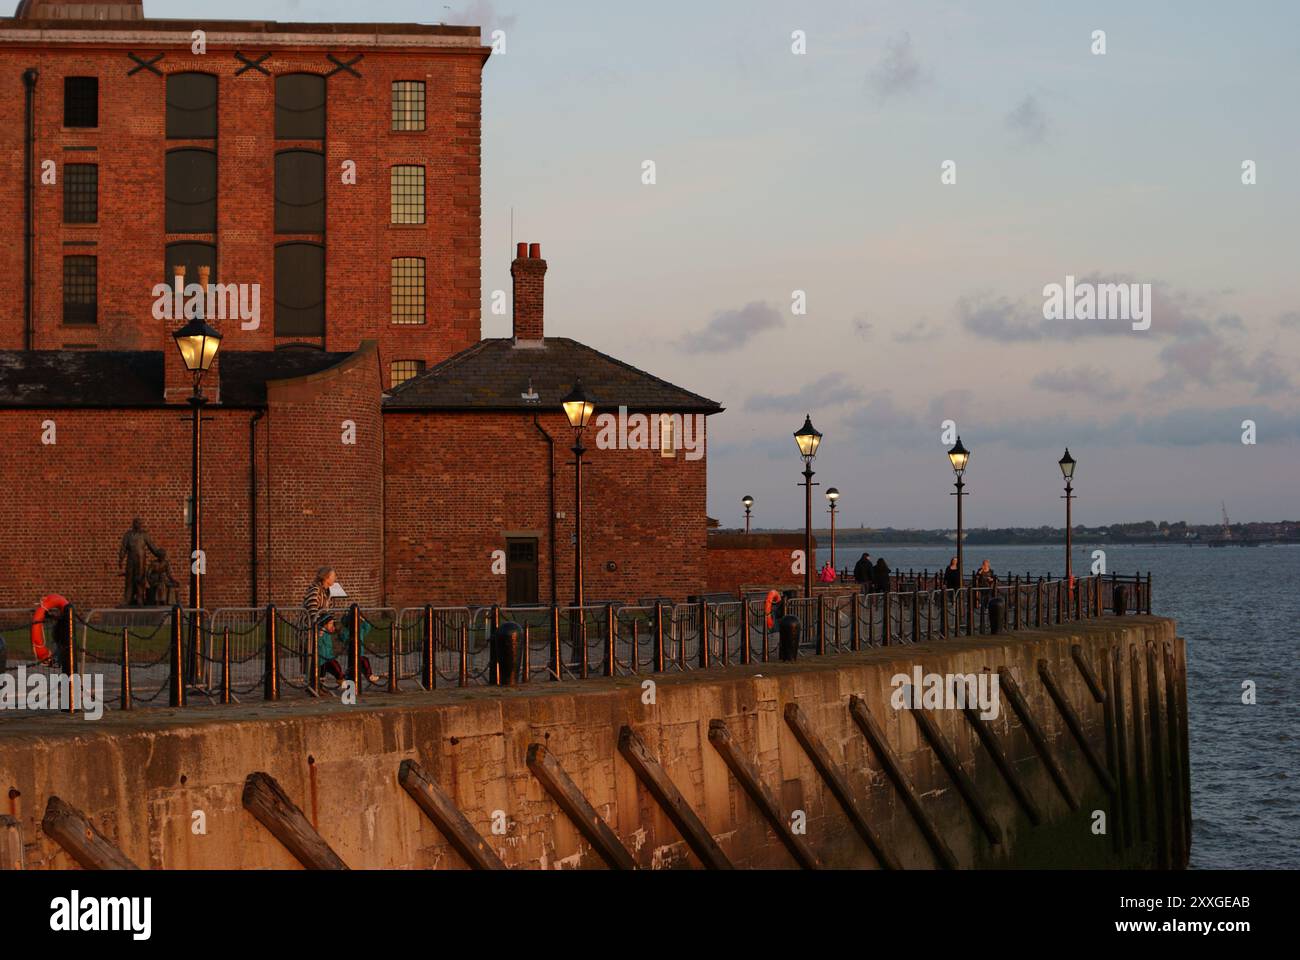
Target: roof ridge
(638, 370)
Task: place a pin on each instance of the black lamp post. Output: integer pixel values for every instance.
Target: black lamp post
(959, 456)
(809, 439)
(1066, 464)
(198, 344)
(578, 407)
(748, 501)
(833, 496)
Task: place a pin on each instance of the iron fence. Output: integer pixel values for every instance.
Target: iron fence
(173, 656)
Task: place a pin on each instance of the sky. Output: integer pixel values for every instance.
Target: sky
(823, 172)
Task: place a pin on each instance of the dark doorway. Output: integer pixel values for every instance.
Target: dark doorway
(521, 572)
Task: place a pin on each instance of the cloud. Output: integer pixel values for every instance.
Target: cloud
(1209, 361)
(730, 330)
(482, 13)
(881, 423)
(1028, 121)
(1086, 381)
(832, 390)
(899, 72)
(1290, 319)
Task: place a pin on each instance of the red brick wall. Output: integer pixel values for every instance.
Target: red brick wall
(324, 500)
(457, 484)
(757, 558)
(130, 148)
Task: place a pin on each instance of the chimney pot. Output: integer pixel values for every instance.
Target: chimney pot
(535, 251)
(521, 251)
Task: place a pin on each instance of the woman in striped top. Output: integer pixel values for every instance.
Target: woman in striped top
(317, 599)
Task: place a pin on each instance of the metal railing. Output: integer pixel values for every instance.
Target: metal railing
(174, 656)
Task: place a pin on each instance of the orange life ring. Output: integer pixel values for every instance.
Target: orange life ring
(53, 603)
(772, 597)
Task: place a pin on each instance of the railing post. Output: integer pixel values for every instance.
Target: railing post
(609, 640)
(855, 629)
(555, 639)
(970, 608)
(943, 611)
(70, 644)
(1077, 589)
(744, 631)
(464, 654)
(271, 659)
(1015, 621)
(354, 651)
(225, 665)
(176, 685)
(704, 633)
(428, 673)
(821, 624)
(528, 665)
(394, 648)
(126, 668)
(884, 620)
(1148, 598)
(313, 657)
(1038, 603)
(578, 627)
(916, 614)
(635, 664)
(659, 637)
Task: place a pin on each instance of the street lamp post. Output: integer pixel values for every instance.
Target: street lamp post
(198, 344)
(578, 408)
(959, 456)
(809, 439)
(1066, 464)
(833, 496)
(748, 501)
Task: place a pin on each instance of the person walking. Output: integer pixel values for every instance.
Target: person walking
(952, 576)
(316, 601)
(862, 572)
(986, 582)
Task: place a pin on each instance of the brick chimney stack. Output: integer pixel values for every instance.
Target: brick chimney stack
(529, 273)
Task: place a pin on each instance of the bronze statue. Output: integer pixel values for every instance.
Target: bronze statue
(136, 546)
(162, 585)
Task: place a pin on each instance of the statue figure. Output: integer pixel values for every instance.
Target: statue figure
(131, 561)
(162, 585)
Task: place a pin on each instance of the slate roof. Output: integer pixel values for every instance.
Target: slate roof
(134, 378)
(493, 375)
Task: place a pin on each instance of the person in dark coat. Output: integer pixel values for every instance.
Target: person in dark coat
(880, 576)
(952, 576)
(862, 570)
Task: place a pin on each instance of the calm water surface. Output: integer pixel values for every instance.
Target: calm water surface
(1239, 610)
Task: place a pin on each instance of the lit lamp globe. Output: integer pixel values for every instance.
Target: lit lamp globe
(808, 438)
(198, 343)
(747, 500)
(959, 456)
(832, 495)
(578, 407)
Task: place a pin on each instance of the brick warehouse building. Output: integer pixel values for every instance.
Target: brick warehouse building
(335, 170)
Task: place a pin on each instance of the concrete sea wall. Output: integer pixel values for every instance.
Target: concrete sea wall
(149, 780)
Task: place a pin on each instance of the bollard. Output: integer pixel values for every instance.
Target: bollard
(997, 615)
(225, 665)
(429, 676)
(126, 668)
(1119, 599)
(271, 659)
(176, 684)
(503, 652)
(789, 644)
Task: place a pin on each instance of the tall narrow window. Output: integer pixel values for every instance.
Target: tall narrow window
(399, 371)
(408, 104)
(408, 290)
(299, 290)
(299, 192)
(300, 107)
(668, 434)
(81, 101)
(406, 194)
(191, 106)
(191, 191)
(80, 282)
(80, 193)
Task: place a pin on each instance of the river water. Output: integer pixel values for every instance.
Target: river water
(1239, 610)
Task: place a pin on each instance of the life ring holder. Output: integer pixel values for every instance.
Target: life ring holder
(773, 596)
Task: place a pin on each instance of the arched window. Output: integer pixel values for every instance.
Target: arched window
(299, 192)
(300, 290)
(191, 191)
(300, 106)
(191, 106)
